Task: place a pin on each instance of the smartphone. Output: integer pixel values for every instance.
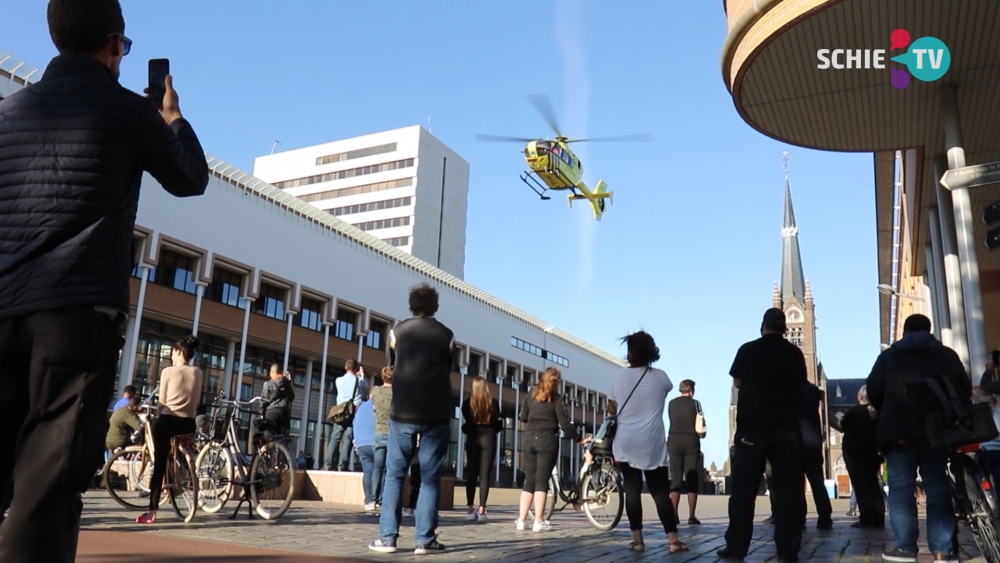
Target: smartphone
(158, 71)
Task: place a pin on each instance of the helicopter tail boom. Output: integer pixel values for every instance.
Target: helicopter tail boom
(596, 197)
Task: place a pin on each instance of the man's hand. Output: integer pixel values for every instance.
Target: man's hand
(171, 108)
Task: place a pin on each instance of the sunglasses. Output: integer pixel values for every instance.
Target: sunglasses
(126, 43)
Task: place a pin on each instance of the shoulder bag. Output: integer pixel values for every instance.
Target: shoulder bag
(606, 433)
(951, 421)
(699, 421)
(344, 412)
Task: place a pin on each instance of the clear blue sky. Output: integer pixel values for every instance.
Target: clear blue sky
(692, 245)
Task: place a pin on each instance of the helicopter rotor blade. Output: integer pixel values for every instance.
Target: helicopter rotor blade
(544, 107)
(503, 138)
(637, 138)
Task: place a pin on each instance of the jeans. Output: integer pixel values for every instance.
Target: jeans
(903, 461)
(367, 456)
(341, 436)
(401, 443)
(378, 472)
(58, 379)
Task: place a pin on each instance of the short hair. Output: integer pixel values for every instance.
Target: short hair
(916, 323)
(275, 368)
(774, 319)
(130, 390)
(642, 348)
(387, 375)
(350, 364)
(83, 26)
(423, 300)
(687, 386)
(134, 401)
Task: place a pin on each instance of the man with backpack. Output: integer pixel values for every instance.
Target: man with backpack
(903, 438)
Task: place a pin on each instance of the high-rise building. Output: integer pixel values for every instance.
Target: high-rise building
(403, 186)
(794, 296)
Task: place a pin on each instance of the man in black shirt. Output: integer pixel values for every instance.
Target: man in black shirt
(812, 453)
(73, 149)
(421, 354)
(769, 373)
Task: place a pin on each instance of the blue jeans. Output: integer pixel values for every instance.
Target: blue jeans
(400, 443)
(367, 456)
(341, 437)
(378, 475)
(903, 461)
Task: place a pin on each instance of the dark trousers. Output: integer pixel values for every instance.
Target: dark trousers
(480, 448)
(685, 462)
(282, 420)
(783, 449)
(165, 428)
(813, 466)
(658, 483)
(57, 373)
(540, 450)
(5, 497)
(867, 489)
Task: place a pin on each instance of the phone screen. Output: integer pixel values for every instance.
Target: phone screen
(158, 71)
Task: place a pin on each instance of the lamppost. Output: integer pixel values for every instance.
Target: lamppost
(886, 289)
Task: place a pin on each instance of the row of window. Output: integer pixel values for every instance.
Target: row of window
(397, 241)
(177, 271)
(358, 153)
(357, 190)
(371, 206)
(538, 351)
(383, 224)
(342, 174)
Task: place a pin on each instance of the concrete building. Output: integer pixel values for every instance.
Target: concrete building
(403, 186)
(238, 267)
(929, 235)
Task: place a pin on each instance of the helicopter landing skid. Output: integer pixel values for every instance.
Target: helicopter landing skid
(536, 186)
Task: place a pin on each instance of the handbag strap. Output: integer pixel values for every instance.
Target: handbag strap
(354, 393)
(621, 408)
(697, 405)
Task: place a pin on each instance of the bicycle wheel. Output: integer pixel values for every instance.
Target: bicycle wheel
(273, 476)
(975, 507)
(215, 477)
(184, 488)
(550, 501)
(603, 497)
(126, 477)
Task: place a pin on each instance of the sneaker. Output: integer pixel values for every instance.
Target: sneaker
(481, 517)
(472, 517)
(541, 526)
(899, 556)
(407, 512)
(945, 558)
(383, 545)
(369, 506)
(519, 525)
(425, 548)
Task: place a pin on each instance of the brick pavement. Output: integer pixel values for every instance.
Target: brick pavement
(331, 530)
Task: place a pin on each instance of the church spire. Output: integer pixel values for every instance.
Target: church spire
(792, 276)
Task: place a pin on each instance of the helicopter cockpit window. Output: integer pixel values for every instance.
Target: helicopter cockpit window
(541, 148)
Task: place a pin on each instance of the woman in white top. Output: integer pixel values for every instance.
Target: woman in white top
(180, 393)
(640, 442)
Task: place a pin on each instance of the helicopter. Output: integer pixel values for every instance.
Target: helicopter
(553, 166)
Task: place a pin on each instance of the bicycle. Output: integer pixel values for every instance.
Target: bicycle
(127, 470)
(599, 493)
(267, 478)
(975, 505)
(180, 483)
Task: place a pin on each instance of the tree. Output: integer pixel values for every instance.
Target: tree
(725, 467)
(713, 468)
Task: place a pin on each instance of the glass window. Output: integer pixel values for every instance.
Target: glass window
(376, 334)
(271, 302)
(344, 327)
(175, 271)
(311, 315)
(226, 287)
(295, 428)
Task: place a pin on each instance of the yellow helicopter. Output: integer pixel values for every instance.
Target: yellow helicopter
(553, 166)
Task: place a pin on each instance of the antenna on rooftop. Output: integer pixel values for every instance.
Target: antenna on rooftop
(275, 145)
(430, 129)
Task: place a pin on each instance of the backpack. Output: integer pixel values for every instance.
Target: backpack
(950, 420)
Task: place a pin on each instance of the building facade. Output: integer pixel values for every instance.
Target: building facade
(403, 186)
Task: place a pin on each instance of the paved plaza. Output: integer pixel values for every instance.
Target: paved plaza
(315, 532)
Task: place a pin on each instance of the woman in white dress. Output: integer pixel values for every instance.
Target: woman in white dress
(638, 395)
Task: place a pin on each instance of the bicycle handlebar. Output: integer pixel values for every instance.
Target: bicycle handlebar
(225, 401)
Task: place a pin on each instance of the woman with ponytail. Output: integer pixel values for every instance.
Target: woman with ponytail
(180, 394)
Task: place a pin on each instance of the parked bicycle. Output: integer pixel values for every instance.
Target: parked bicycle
(599, 492)
(266, 478)
(975, 505)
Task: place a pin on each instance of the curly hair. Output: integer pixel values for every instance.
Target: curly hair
(642, 350)
(548, 385)
(423, 300)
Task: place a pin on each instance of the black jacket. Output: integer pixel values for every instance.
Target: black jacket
(277, 394)
(809, 421)
(918, 355)
(421, 352)
(73, 148)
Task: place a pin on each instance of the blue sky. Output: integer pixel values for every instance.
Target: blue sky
(690, 249)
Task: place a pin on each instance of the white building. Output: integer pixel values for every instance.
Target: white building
(403, 186)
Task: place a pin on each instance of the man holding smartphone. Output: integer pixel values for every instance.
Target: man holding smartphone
(73, 148)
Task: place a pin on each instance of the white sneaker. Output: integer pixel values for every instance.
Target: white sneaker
(369, 507)
(519, 524)
(481, 517)
(541, 526)
(407, 512)
(471, 517)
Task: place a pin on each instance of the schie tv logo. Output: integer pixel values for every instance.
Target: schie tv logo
(927, 58)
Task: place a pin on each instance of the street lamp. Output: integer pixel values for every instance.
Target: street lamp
(886, 289)
(884, 346)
